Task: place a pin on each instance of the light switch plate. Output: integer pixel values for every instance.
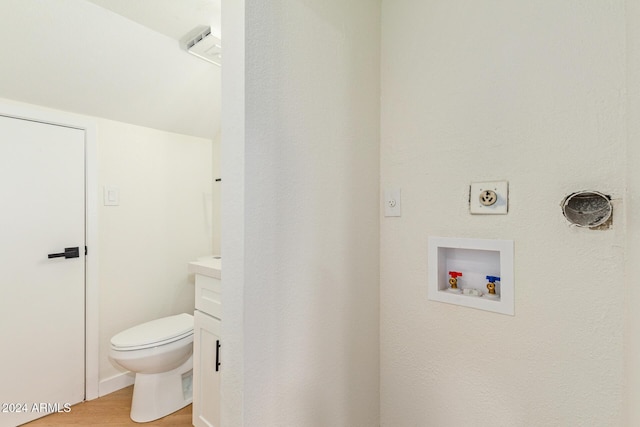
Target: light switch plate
(111, 196)
(489, 198)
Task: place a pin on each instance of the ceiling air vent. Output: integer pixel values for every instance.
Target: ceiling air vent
(201, 43)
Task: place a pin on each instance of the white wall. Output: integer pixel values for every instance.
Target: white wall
(632, 336)
(232, 214)
(216, 198)
(306, 238)
(530, 92)
(161, 224)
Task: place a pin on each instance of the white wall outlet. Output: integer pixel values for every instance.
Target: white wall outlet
(392, 202)
(489, 198)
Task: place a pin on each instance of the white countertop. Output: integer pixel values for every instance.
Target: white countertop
(207, 266)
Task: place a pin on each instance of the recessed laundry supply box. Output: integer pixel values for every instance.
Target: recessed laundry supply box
(475, 273)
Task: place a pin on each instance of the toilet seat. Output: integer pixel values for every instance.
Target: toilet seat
(154, 333)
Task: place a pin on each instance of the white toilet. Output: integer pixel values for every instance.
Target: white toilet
(160, 354)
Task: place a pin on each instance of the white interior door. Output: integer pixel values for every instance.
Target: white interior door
(42, 299)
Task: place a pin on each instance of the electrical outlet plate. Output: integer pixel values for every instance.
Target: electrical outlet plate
(482, 194)
(392, 202)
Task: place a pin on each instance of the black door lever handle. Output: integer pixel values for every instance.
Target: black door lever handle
(68, 253)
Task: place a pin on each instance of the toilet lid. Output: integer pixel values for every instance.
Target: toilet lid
(155, 332)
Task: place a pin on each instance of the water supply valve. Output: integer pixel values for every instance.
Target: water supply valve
(453, 280)
(491, 286)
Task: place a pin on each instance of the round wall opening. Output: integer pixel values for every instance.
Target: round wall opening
(587, 208)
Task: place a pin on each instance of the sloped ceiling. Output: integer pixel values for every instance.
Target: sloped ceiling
(117, 59)
(173, 18)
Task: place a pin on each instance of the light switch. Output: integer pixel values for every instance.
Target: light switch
(111, 196)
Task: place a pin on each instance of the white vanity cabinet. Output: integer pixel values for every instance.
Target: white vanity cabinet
(206, 343)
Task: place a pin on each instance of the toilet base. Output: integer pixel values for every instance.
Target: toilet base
(158, 395)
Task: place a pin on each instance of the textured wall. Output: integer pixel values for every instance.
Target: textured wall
(232, 215)
(633, 213)
(530, 92)
(309, 217)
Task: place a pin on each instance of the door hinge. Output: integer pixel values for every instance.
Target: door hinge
(85, 251)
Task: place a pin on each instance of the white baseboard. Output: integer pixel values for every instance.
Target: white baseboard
(115, 383)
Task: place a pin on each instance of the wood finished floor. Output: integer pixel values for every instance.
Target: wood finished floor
(111, 410)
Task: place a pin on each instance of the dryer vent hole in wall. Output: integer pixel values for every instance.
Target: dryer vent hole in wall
(588, 209)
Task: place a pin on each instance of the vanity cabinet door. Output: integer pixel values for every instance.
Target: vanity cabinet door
(206, 371)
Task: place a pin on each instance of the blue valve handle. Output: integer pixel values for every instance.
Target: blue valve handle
(493, 279)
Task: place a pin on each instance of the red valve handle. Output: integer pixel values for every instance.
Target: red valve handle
(455, 274)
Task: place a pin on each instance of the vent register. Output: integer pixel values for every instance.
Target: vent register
(201, 43)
